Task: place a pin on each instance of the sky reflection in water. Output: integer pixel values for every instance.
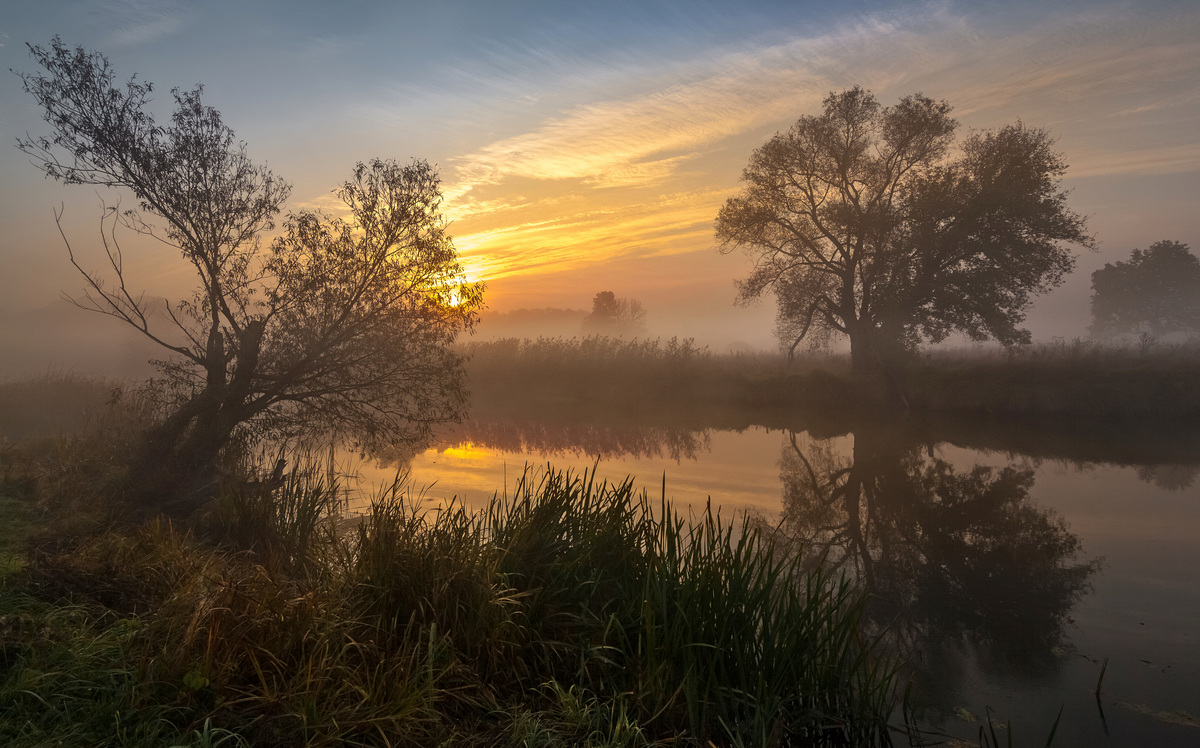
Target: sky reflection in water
(1005, 579)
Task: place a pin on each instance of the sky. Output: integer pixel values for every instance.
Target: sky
(587, 146)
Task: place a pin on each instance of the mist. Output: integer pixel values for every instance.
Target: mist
(641, 373)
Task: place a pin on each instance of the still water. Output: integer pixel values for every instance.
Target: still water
(1005, 577)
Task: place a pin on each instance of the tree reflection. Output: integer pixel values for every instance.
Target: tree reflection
(958, 560)
(569, 438)
(1169, 477)
(576, 438)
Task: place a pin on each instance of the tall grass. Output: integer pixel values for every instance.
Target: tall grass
(587, 368)
(1080, 379)
(55, 403)
(566, 613)
(594, 377)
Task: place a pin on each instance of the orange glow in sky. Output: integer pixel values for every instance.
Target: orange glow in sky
(587, 147)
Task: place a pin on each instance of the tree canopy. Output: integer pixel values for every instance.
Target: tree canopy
(1156, 290)
(612, 315)
(863, 224)
(338, 324)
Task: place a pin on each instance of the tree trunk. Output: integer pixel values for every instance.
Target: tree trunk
(176, 472)
(864, 358)
(858, 529)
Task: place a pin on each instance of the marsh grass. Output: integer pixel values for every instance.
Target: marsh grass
(568, 612)
(55, 403)
(589, 368)
(1081, 380)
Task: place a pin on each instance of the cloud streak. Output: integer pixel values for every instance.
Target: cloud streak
(139, 21)
(670, 137)
(671, 224)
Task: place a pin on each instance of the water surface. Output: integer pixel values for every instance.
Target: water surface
(1004, 575)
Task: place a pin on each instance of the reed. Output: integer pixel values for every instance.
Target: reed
(581, 369)
(568, 612)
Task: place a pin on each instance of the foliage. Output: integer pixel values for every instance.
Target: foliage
(1155, 290)
(612, 315)
(342, 325)
(862, 225)
(566, 614)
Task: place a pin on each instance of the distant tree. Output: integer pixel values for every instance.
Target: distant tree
(1156, 290)
(611, 315)
(864, 226)
(340, 325)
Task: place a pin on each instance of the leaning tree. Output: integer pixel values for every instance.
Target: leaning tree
(864, 224)
(340, 325)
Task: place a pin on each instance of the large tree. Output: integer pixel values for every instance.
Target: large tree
(864, 224)
(339, 324)
(1156, 290)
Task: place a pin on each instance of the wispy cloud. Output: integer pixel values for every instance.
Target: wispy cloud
(630, 163)
(610, 142)
(638, 174)
(1165, 160)
(139, 21)
(1080, 59)
(670, 224)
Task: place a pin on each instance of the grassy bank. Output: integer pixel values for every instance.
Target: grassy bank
(57, 402)
(568, 613)
(1079, 381)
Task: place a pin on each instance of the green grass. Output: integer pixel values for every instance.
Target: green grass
(15, 526)
(567, 613)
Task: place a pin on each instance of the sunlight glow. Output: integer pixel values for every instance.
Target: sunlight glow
(468, 452)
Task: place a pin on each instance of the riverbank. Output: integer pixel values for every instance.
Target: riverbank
(1084, 384)
(568, 613)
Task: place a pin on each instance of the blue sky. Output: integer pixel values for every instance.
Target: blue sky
(587, 146)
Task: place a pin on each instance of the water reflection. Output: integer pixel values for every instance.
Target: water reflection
(559, 438)
(958, 559)
(974, 575)
(1170, 477)
(554, 438)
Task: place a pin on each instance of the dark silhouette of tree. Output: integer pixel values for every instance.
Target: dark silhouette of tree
(863, 225)
(339, 325)
(1156, 290)
(611, 315)
(945, 552)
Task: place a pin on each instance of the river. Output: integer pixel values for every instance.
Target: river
(1006, 570)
